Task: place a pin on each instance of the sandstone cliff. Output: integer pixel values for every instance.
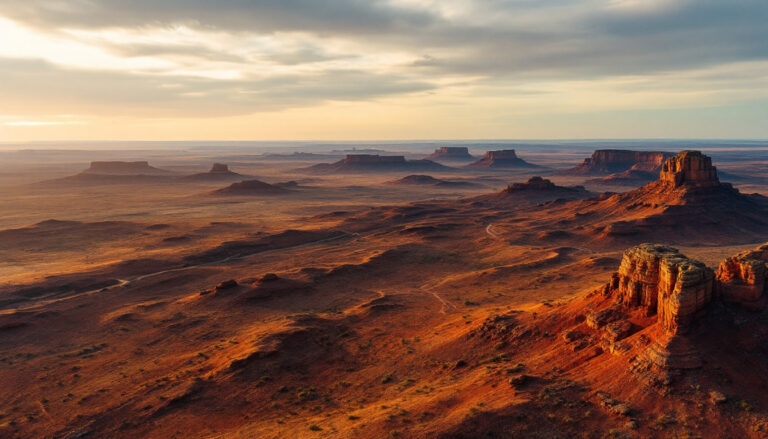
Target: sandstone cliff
(741, 278)
(610, 161)
(660, 281)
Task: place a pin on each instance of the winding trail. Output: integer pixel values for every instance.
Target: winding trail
(489, 230)
(429, 289)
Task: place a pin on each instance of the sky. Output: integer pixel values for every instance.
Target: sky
(382, 69)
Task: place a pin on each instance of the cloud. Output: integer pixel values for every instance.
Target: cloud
(275, 54)
(262, 16)
(36, 87)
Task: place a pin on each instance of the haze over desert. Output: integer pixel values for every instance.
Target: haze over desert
(384, 219)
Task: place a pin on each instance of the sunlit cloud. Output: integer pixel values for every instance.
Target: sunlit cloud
(195, 60)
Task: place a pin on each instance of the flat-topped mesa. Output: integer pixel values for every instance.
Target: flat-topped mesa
(660, 280)
(741, 279)
(689, 168)
(502, 154)
(609, 161)
(448, 153)
(373, 158)
(505, 158)
(219, 168)
(533, 183)
(121, 167)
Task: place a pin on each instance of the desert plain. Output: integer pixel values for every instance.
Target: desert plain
(542, 290)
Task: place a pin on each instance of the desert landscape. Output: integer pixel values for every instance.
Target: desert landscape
(384, 219)
(293, 295)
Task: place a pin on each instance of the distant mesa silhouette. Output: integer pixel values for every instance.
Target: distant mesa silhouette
(535, 190)
(613, 161)
(362, 163)
(451, 154)
(218, 172)
(251, 188)
(124, 168)
(428, 180)
(501, 159)
(114, 172)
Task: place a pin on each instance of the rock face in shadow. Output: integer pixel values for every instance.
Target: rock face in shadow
(123, 168)
(506, 158)
(611, 161)
(741, 278)
(251, 187)
(362, 163)
(451, 154)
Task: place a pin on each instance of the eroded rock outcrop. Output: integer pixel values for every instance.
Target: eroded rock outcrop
(661, 281)
(741, 278)
(689, 168)
(657, 280)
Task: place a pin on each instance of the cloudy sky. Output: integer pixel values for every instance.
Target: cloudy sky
(382, 69)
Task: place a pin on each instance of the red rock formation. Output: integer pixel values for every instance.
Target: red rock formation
(689, 168)
(741, 278)
(662, 281)
(609, 161)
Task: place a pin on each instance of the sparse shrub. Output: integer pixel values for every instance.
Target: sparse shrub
(314, 427)
(386, 379)
(745, 406)
(306, 394)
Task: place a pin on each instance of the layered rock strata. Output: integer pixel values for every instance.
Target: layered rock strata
(661, 281)
(609, 161)
(741, 279)
(689, 168)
